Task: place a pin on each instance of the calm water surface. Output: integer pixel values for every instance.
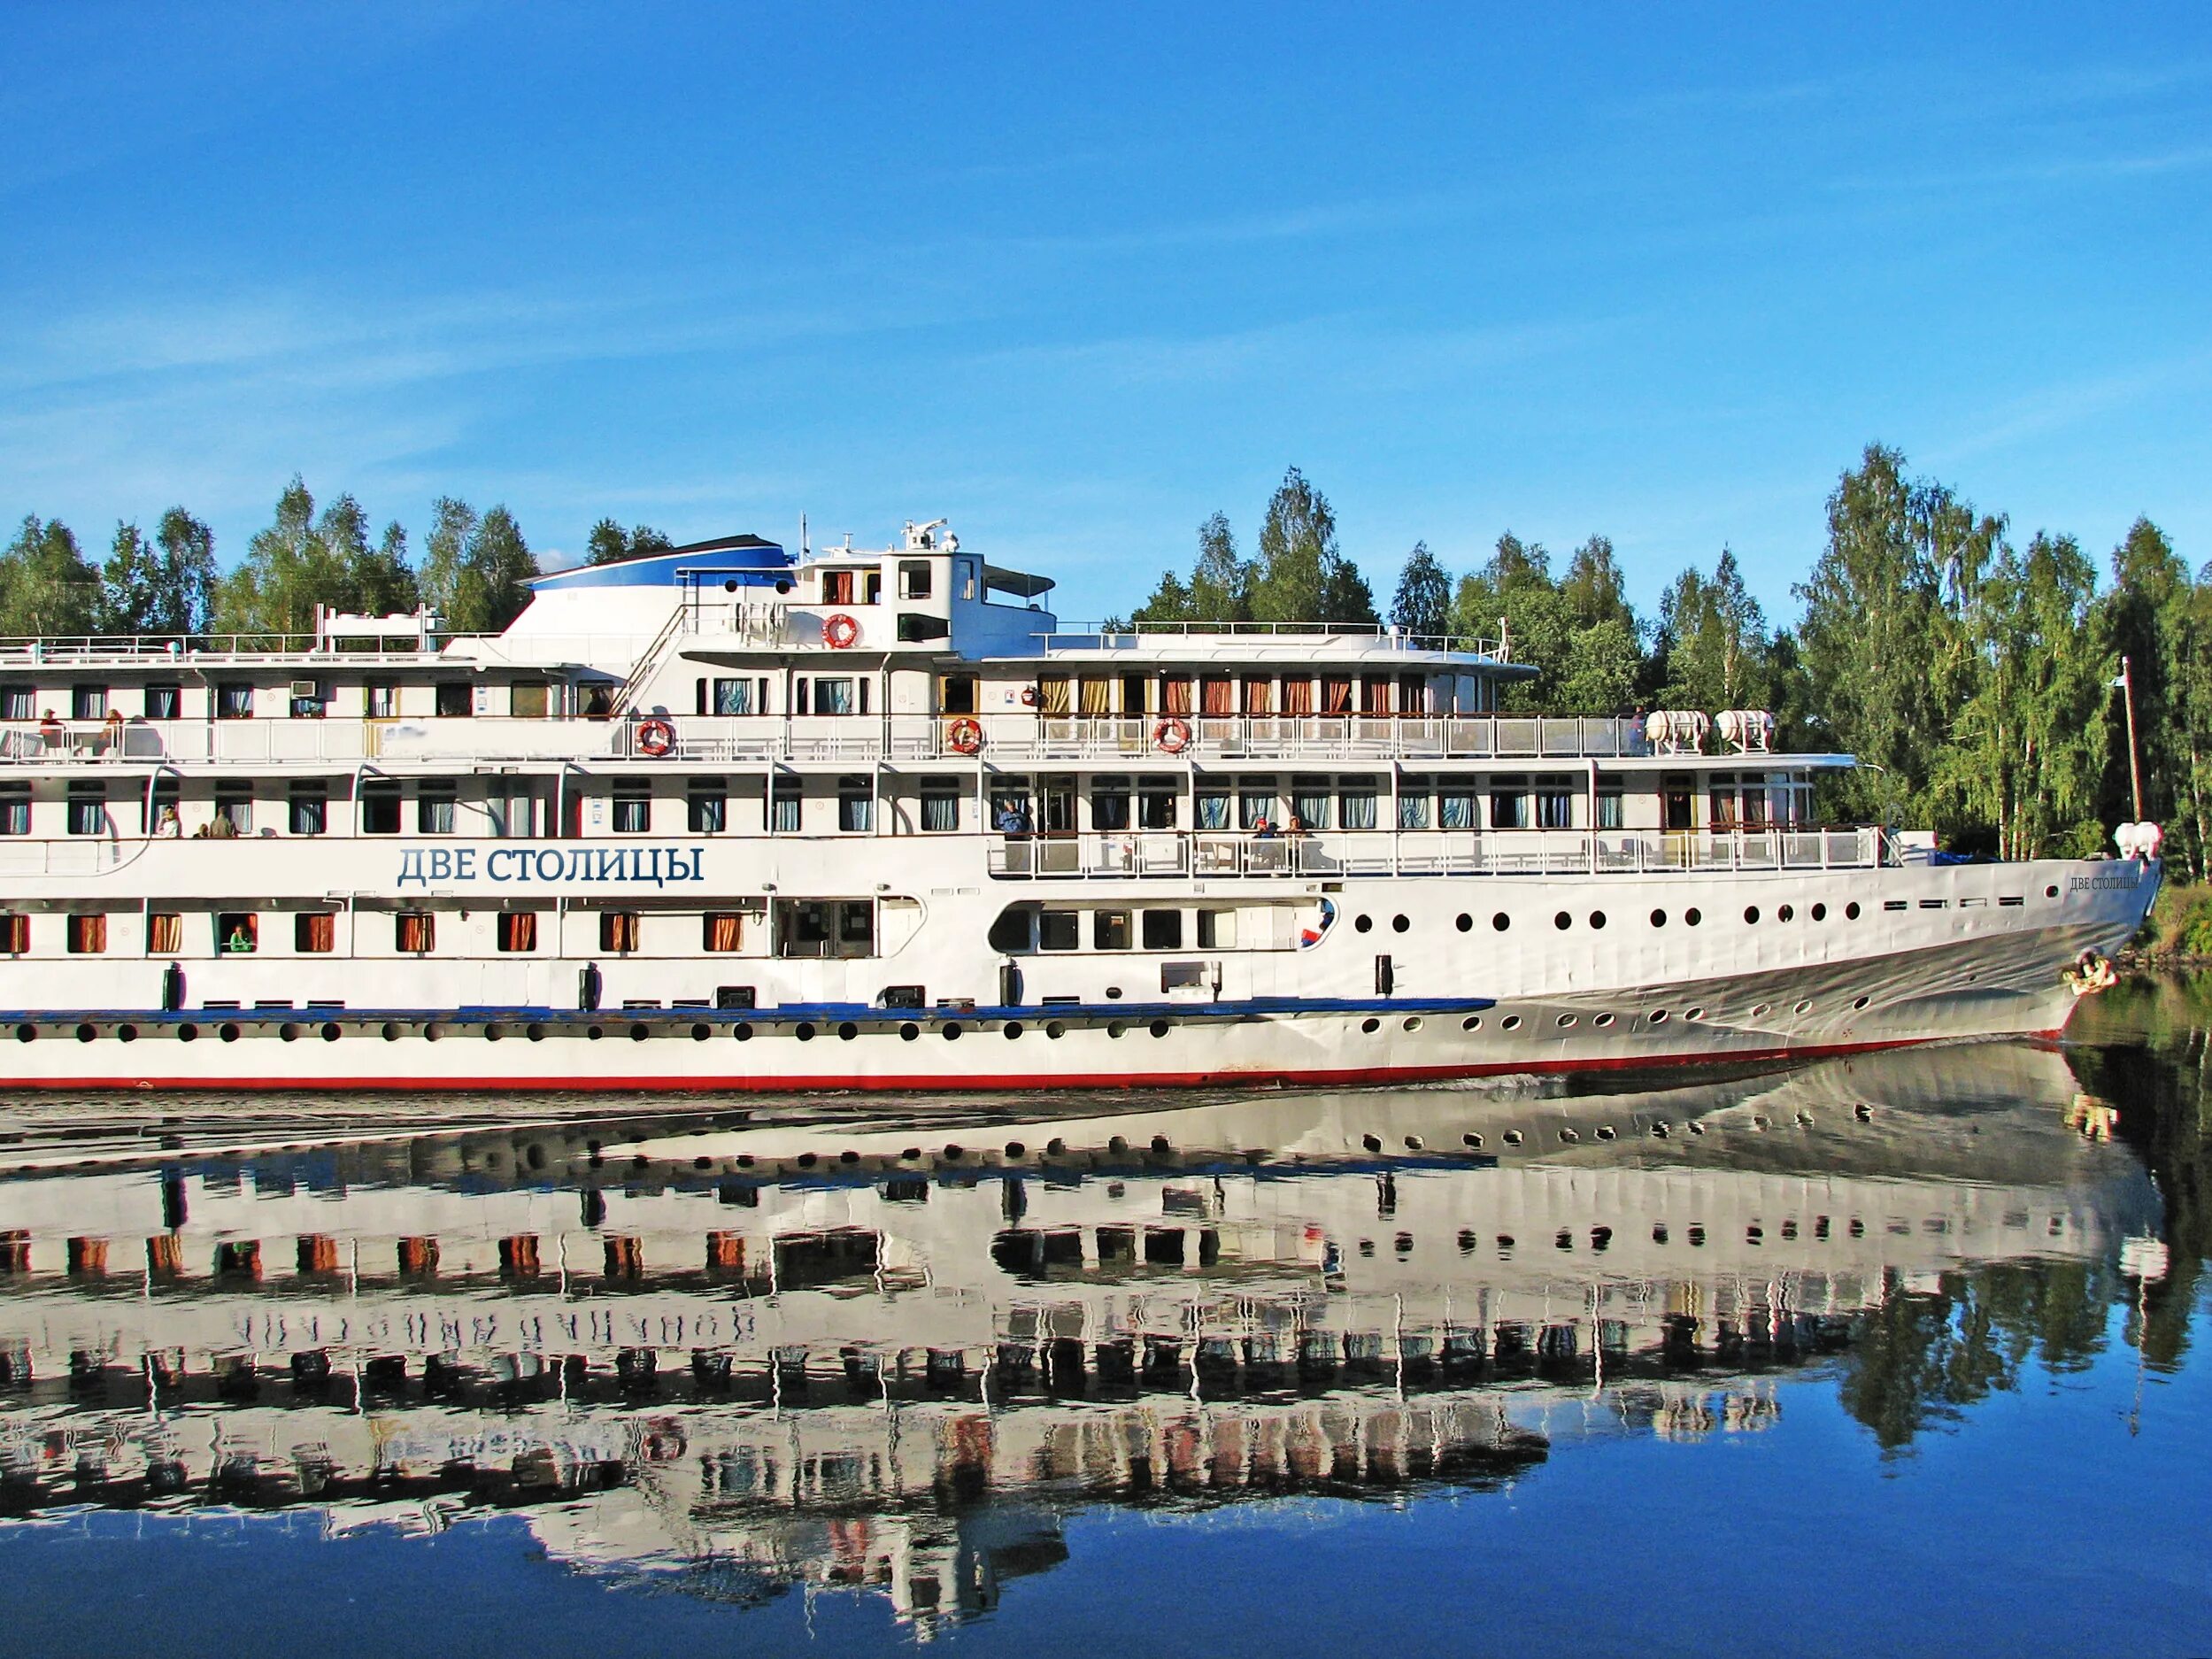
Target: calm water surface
(1892, 1355)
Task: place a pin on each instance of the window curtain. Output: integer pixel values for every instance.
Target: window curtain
(88, 935)
(416, 931)
(1052, 696)
(1413, 807)
(1358, 807)
(1312, 805)
(722, 929)
(1455, 810)
(1109, 810)
(1336, 695)
(1177, 697)
(1097, 696)
(520, 927)
(1213, 811)
(1259, 695)
(1220, 696)
(618, 930)
(165, 933)
(1298, 697)
(940, 813)
(318, 932)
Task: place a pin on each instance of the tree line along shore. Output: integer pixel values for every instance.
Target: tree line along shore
(1972, 672)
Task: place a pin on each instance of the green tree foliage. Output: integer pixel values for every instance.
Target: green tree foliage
(609, 542)
(476, 569)
(1300, 575)
(1219, 589)
(1422, 603)
(46, 586)
(2156, 618)
(303, 559)
(1711, 650)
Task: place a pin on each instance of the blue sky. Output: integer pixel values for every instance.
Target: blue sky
(1077, 278)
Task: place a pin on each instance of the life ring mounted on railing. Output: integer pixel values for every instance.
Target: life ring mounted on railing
(656, 737)
(1031, 697)
(964, 736)
(1172, 735)
(840, 632)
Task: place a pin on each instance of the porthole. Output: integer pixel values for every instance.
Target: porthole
(1569, 1137)
(701, 1031)
(86, 1033)
(1659, 918)
(1602, 1021)
(1114, 994)
(1055, 1030)
(1398, 924)
(536, 1033)
(1501, 921)
(1015, 1149)
(185, 1033)
(1115, 1028)
(1363, 924)
(2050, 892)
(1786, 914)
(433, 1031)
(1597, 918)
(1759, 1010)
(1371, 1143)
(1158, 1027)
(1851, 911)
(127, 1033)
(1858, 1002)
(1412, 1022)
(951, 1030)
(1562, 921)
(1605, 1131)
(227, 1032)
(846, 1030)
(804, 1032)
(1512, 1023)
(1010, 1030)
(1751, 913)
(907, 1031)
(492, 1032)
(1464, 922)
(1694, 1014)
(1513, 1139)
(743, 1030)
(1370, 1026)
(330, 1030)
(639, 1030)
(1658, 1016)
(28, 1033)
(389, 1031)
(1566, 1020)
(1692, 916)
(1473, 1023)
(1803, 1008)
(1819, 913)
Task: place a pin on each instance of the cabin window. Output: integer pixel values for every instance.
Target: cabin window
(518, 931)
(1110, 931)
(1677, 801)
(1297, 697)
(1156, 803)
(1375, 694)
(1259, 695)
(967, 567)
(1255, 801)
(87, 809)
(1722, 801)
(1217, 930)
(1174, 695)
(435, 806)
(708, 806)
(15, 809)
(721, 930)
(1508, 805)
(165, 933)
(308, 705)
(1355, 803)
(618, 931)
(1455, 804)
(415, 933)
(1413, 694)
(1110, 803)
(314, 933)
(1310, 802)
(1554, 804)
(234, 806)
(1163, 929)
(1413, 803)
(17, 702)
(15, 933)
(380, 809)
(1010, 932)
(940, 805)
(914, 579)
(736, 696)
(380, 699)
(88, 702)
(632, 805)
(88, 935)
(841, 928)
(1058, 929)
(856, 805)
(311, 808)
(1098, 697)
(455, 701)
(785, 806)
(1336, 694)
(163, 701)
(531, 701)
(512, 809)
(1010, 805)
(1217, 696)
(833, 696)
(1610, 815)
(956, 694)
(237, 932)
(158, 804)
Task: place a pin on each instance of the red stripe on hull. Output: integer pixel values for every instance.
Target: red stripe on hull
(1010, 1082)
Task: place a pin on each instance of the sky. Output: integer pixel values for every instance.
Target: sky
(1076, 278)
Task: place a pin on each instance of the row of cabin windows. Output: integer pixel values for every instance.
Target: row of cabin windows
(1260, 695)
(1021, 929)
(233, 699)
(315, 932)
(1310, 803)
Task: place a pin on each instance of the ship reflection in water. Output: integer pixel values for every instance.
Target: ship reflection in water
(743, 1355)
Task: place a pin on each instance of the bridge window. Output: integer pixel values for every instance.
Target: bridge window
(1058, 930)
(1010, 932)
(1163, 929)
(1110, 931)
(914, 579)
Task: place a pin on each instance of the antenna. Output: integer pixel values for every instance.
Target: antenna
(802, 535)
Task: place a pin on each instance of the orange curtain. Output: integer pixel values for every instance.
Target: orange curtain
(88, 935)
(618, 931)
(1298, 697)
(1336, 695)
(1177, 698)
(721, 931)
(318, 932)
(417, 1258)
(1259, 695)
(1219, 695)
(415, 930)
(165, 934)
(518, 1256)
(521, 927)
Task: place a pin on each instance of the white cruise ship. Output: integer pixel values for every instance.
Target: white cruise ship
(725, 818)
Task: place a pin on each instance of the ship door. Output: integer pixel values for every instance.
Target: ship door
(1057, 846)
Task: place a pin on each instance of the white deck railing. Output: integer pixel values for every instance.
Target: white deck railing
(1002, 740)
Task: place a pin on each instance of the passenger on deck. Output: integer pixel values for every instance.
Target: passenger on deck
(1011, 821)
(1262, 829)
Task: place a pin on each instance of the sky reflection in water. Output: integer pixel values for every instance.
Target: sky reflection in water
(1876, 1356)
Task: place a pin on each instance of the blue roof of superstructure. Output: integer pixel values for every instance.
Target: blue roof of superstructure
(746, 558)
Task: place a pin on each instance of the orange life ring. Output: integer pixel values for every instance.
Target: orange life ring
(1029, 696)
(656, 737)
(965, 736)
(840, 632)
(1172, 735)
